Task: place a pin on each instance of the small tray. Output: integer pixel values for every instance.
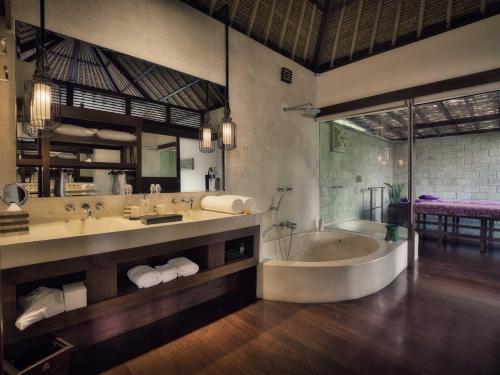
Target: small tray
(158, 219)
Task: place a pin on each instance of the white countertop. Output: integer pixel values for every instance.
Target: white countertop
(63, 240)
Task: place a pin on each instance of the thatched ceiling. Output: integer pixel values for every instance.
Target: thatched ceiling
(473, 114)
(326, 34)
(81, 63)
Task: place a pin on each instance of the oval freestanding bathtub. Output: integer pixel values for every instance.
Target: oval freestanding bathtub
(329, 266)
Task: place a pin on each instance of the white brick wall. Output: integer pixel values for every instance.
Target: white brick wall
(462, 167)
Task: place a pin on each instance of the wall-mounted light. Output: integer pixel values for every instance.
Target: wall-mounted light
(207, 134)
(227, 128)
(42, 97)
(227, 134)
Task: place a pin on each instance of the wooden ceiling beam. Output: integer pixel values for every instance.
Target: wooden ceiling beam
(320, 41)
(179, 90)
(467, 132)
(140, 76)
(459, 121)
(482, 7)
(356, 29)
(299, 28)
(444, 111)
(73, 65)
(252, 17)
(421, 13)
(470, 108)
(449, 13)
(309, 31)
(337, 35)
(397, 20)
(179, 80)
(106, 71)
(217, 95)
(111, 57)
(285, 24)
(375, 26)
(270, 22)
(456, 83)
(211, 7)
(234, 8)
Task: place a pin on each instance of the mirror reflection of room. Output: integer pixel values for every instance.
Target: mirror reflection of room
(126, 126)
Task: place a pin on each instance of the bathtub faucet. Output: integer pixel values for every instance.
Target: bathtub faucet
(288, 224)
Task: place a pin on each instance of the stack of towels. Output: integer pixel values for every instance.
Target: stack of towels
(145, 276)
(230, 204)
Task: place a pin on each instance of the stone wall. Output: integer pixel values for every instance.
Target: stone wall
(461, 167)
(341, 169)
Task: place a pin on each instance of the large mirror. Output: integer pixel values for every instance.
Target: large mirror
(126, 124)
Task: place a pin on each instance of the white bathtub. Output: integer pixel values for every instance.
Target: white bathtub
(330, 266)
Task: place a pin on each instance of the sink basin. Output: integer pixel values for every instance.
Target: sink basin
(79, 227)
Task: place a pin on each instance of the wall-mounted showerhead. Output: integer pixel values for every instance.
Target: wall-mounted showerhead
(308, 110)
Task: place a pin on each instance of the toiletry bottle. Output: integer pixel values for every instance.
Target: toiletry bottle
(211, 180)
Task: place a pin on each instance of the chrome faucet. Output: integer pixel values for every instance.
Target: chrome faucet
(70, 208)
(190, 201)
(99, 207)
(288, 224)
(88, 211)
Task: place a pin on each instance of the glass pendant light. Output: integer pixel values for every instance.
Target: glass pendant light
(42, 97)
(207, 136)
(227, 128)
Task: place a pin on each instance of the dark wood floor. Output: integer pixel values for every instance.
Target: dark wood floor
(443, 317)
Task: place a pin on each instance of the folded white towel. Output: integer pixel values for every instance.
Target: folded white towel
(144, 276)
(41, 303)
(250, 204)
(223, 203)
(184, 266)
(168, 272)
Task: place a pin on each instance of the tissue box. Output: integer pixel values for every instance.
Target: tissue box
(75, 295)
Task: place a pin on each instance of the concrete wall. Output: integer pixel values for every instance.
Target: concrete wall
(466, 50)
(7, 111)
(341, 169)
(462, 167)
(274, 148)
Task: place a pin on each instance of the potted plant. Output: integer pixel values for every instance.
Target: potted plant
(397, 209)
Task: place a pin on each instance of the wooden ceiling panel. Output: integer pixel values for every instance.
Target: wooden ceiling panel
(348, 34)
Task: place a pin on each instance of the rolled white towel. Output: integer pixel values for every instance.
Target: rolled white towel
(41, 303)
(168, 272)
(144, 276)
(249, 202)
(185, 267)
(223, 203)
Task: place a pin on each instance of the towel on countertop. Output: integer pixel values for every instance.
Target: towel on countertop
(40, 304)
(168, 272)
(184, 266)
(250, 204)
(428, 197)
(144, 276)
(223, 203)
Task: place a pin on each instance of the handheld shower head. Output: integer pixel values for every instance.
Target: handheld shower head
(308, 110)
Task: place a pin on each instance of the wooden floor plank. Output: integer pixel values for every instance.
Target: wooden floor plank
(443, 317)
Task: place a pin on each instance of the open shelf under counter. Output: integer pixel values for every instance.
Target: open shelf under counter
(127, 297)
(115, 304)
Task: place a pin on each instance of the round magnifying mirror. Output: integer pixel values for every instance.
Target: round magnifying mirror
(14, 193)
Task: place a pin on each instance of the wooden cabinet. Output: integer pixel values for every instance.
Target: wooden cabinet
(115, 304)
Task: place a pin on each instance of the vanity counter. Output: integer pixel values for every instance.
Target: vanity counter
(64, 240)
